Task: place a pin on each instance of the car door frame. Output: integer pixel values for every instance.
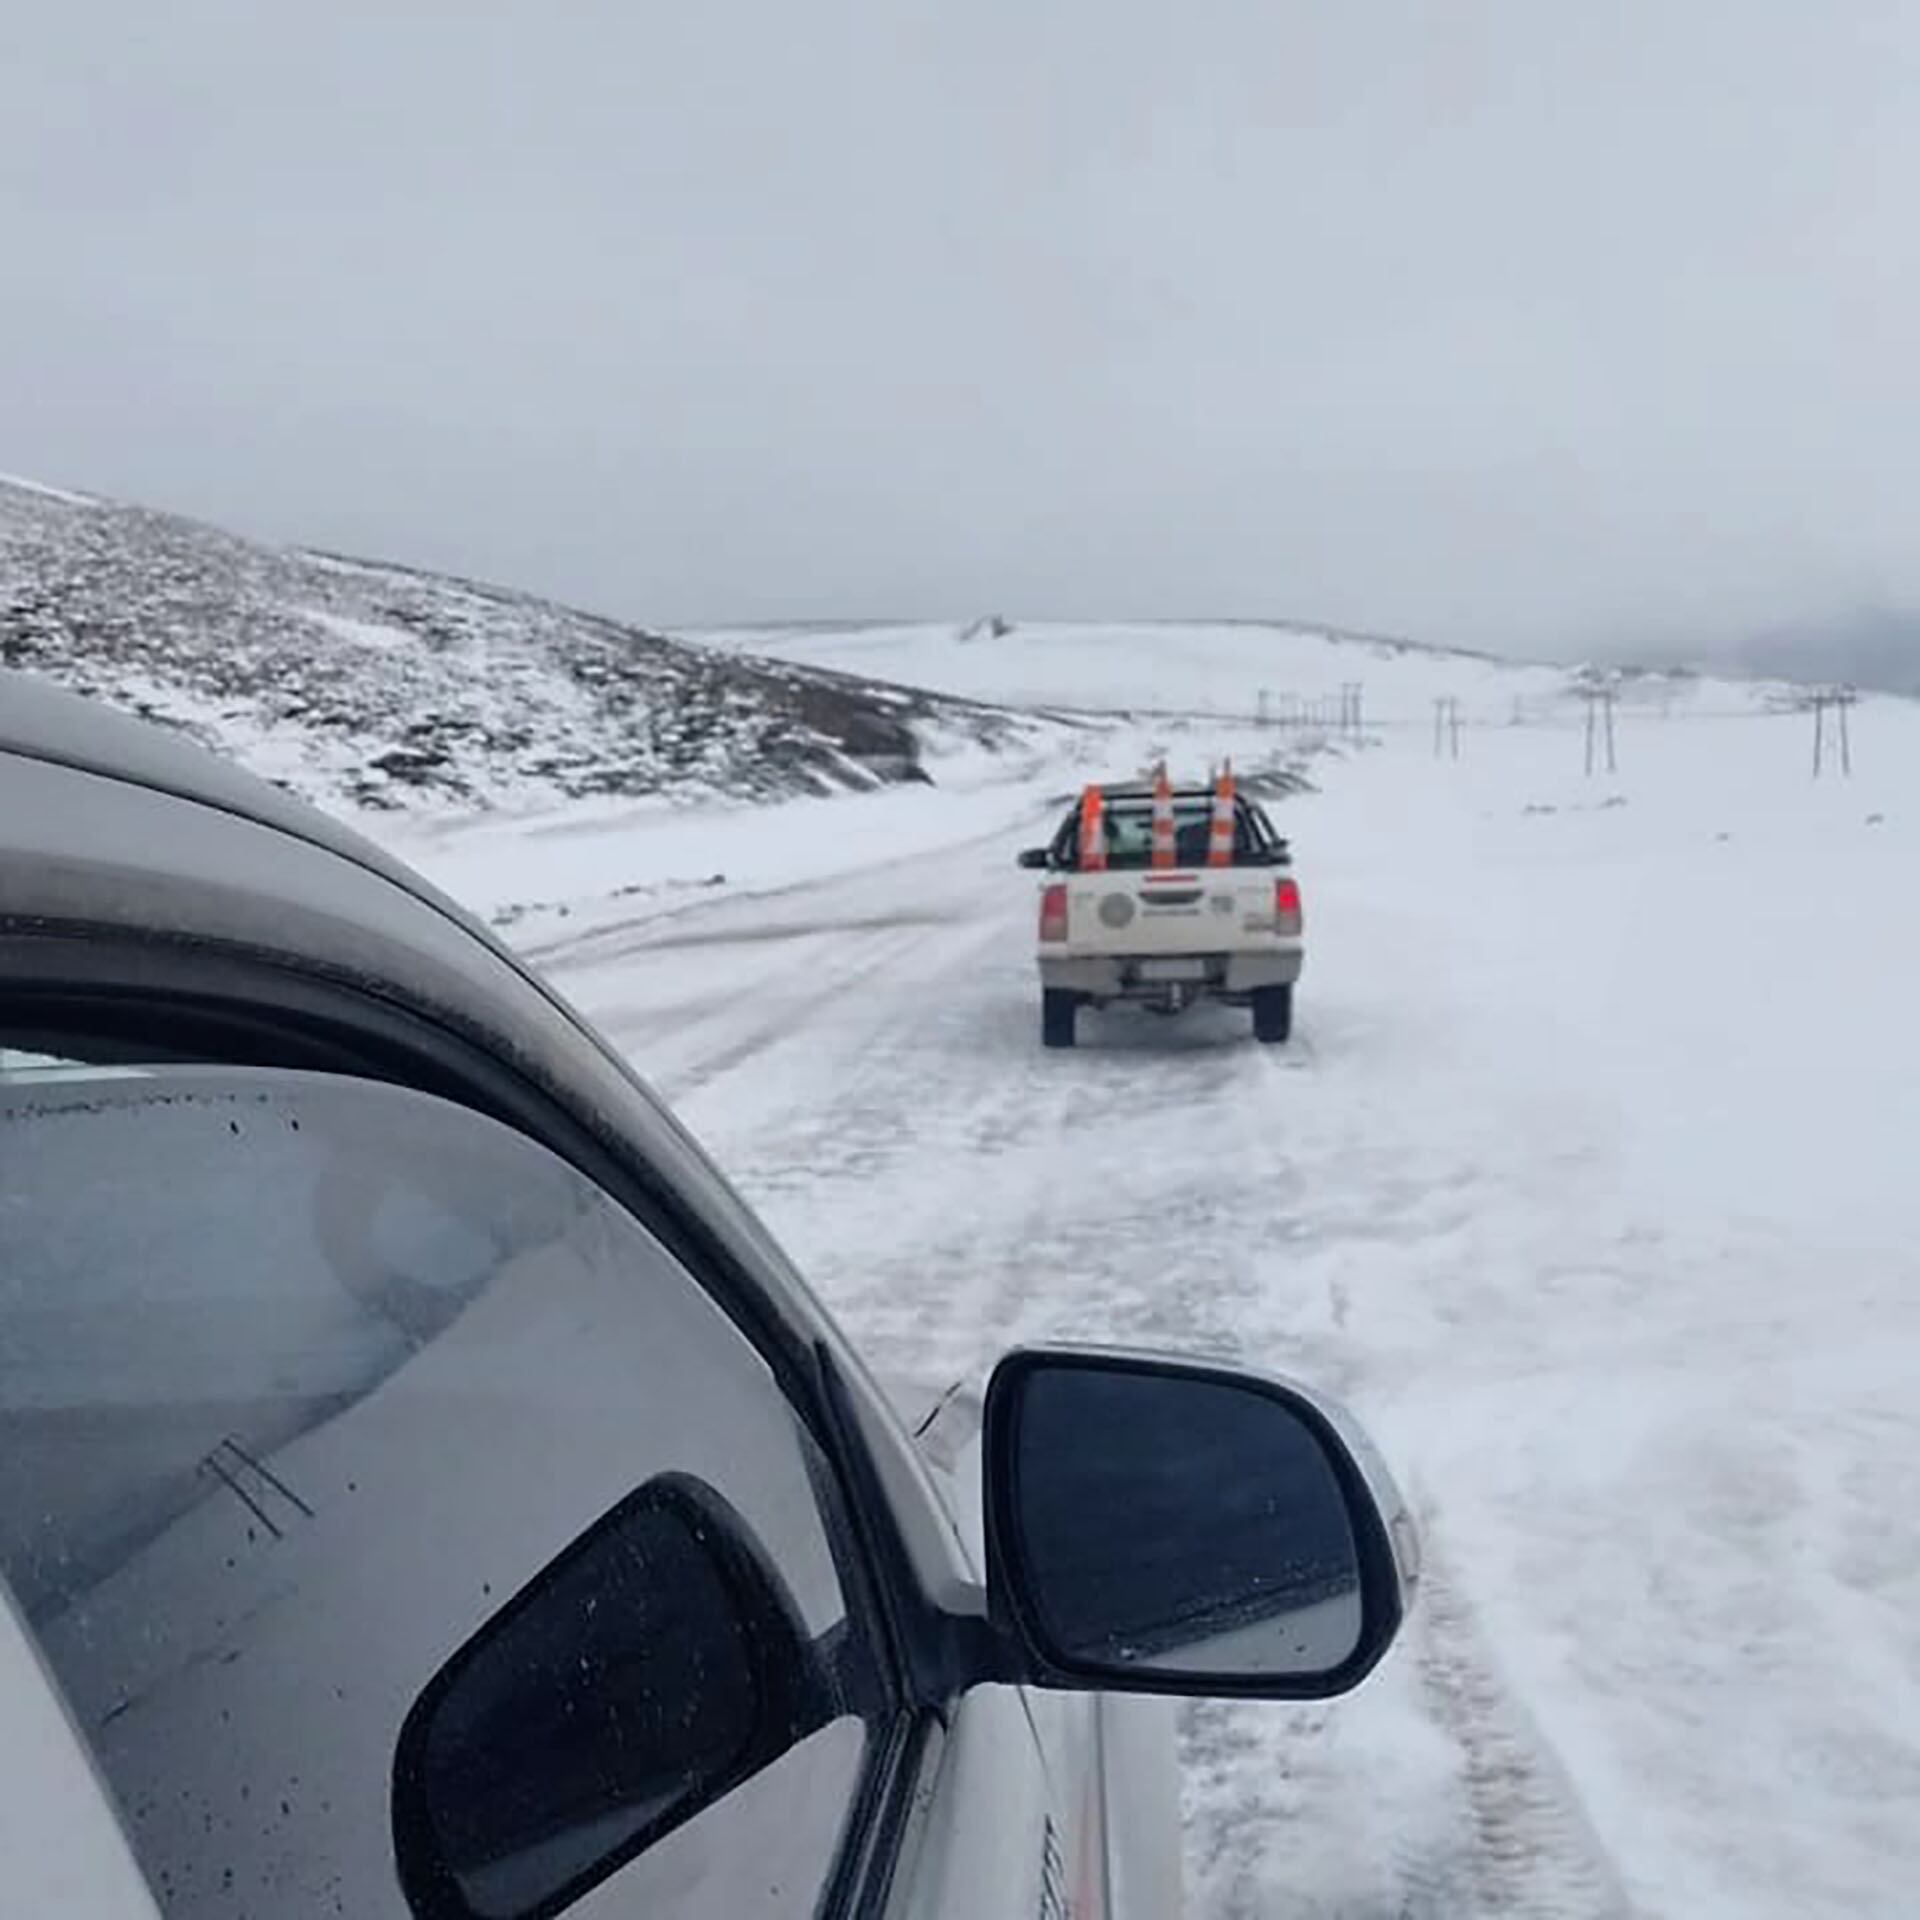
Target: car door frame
(218, 1002)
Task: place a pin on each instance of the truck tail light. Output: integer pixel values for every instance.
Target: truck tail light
(1053, 913)
(1287, 917)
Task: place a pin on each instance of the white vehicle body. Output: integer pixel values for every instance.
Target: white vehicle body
(1167, 937)
(1096, 1786)
(351, 1291)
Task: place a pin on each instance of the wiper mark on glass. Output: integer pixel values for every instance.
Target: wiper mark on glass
(252, 1483)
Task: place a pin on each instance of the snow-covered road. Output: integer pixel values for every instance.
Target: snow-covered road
(1589, 1182)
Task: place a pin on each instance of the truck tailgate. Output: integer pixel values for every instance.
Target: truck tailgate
(1170, 912)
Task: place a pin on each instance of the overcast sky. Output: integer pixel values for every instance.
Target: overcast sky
(1518, 321)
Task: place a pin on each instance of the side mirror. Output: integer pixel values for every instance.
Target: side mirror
(1036, 859)
(1164, 1526)
(653, 1667)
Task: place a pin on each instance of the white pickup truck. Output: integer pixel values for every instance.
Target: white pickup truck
(1124, 919)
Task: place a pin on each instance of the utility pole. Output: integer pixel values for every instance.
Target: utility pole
(1446, 728)
(1834, 700)
(1351, 725)
(1600, 703)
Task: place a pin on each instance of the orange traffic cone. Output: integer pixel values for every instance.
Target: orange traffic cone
(1220, 833)
(1165, 839)
(1093, 831)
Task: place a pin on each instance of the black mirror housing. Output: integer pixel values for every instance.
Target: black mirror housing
(1036, 859)
(1182, 1527)
(551, 1747)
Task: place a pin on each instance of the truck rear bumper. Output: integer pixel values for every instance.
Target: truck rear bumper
(1118, 976)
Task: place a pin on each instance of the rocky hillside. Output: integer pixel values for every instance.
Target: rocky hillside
(376, 686)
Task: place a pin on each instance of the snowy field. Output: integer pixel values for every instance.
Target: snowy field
(1206, 667)
(1589, 1181)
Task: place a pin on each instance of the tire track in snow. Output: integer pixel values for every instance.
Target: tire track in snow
(788, 1017)
(894, 1084)
(1532, 1849)
(905, 1194)
(768, 986)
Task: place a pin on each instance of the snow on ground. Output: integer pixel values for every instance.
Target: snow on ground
(1588, 1181)
(1219, 667)
(555, 875)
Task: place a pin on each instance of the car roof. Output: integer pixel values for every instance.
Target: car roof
(139, 860)
(44, 722)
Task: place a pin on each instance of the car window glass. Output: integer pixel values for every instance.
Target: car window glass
(301, 1381)
(1129, 832)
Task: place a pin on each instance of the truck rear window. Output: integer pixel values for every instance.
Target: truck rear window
(1129, 834)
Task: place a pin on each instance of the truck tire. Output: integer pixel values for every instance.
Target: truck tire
(1059, 1017)
(1272, 1015)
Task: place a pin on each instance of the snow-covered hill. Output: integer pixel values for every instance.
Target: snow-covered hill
(376, 686)
(1242, 669)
